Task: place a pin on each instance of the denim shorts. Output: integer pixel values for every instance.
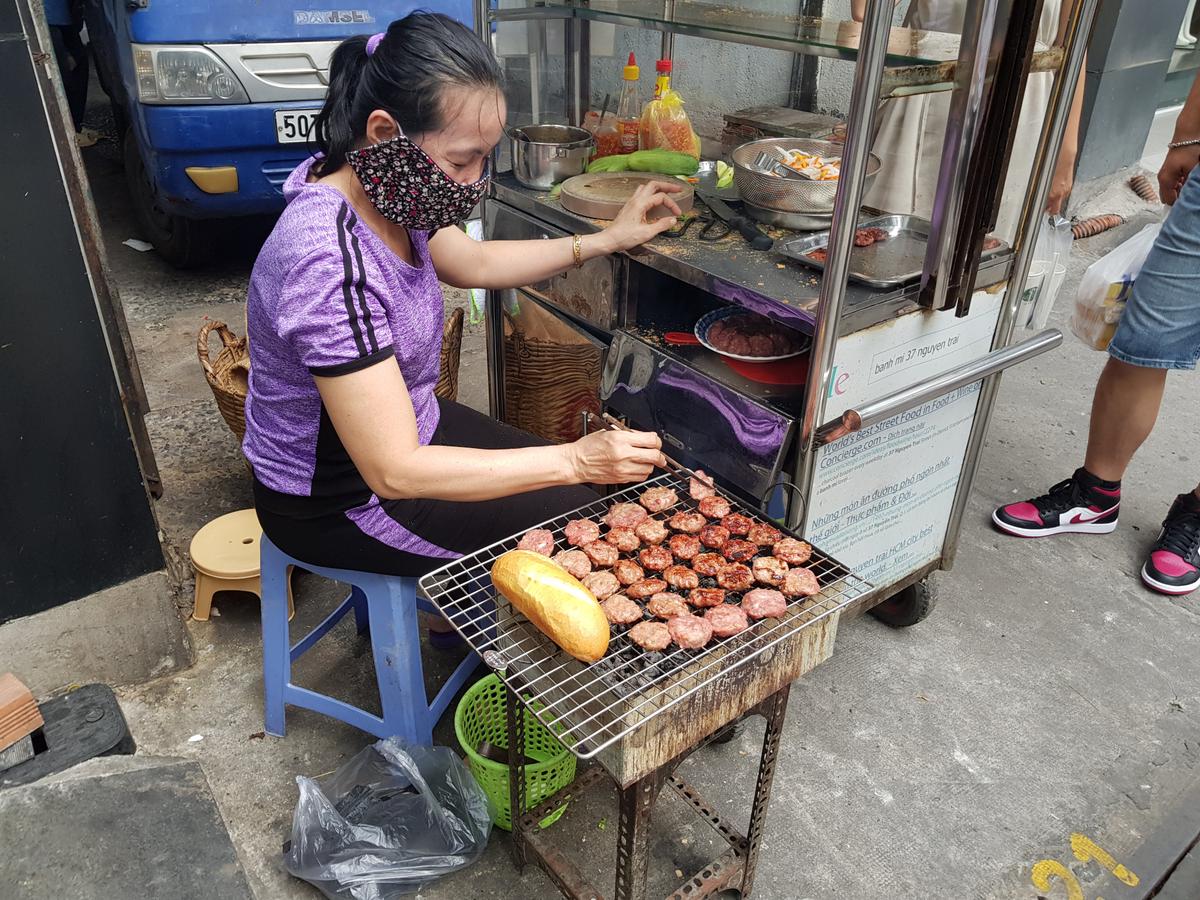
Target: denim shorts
(1160, 327)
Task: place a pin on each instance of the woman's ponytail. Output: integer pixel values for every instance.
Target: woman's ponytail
(336, 130)
(410, 66)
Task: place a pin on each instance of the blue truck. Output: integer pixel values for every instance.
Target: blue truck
(215, 101)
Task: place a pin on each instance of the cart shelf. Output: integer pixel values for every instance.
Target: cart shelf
(917, 61)
(730, 270)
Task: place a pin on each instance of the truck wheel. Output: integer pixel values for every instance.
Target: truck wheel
(184, 243)
(908, 607)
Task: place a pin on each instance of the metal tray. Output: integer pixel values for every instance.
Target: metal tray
(891, 263)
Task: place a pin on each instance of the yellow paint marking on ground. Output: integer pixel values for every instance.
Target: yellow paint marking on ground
(1046, 869)
(1085, 849)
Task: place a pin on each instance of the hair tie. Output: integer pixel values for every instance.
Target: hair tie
(373, 42)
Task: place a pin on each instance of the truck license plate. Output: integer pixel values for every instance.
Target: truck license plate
(295, 126)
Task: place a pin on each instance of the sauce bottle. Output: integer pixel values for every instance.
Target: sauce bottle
(629, 109)
(662, 83)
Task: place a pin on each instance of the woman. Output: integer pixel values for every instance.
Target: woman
(912, 129)
(356, 464)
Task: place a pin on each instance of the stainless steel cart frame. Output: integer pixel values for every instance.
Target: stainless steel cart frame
(985, 78)
(876, 466)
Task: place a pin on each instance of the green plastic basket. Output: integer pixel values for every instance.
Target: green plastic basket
(480, 717)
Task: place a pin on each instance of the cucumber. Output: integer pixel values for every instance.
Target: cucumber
(609, 164)
(663, 162)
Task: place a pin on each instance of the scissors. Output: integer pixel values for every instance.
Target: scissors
(712, 229)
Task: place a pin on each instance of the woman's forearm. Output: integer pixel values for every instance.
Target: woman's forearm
(1187, 126)
(498, 265)
(511, 264)
(465, 474)
(1070, 144)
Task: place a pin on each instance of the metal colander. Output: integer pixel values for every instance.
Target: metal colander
(790, 195)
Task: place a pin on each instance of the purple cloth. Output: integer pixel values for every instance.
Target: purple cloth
(327, 297)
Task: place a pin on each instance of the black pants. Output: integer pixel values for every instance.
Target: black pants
(72, 58)
(464, 527)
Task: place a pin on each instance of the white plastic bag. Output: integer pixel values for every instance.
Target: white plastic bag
(1047, 271)
(389, 821)
(1106, 286)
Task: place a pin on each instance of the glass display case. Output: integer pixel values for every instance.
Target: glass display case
(906, 341)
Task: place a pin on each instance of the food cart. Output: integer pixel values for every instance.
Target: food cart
(867, 448)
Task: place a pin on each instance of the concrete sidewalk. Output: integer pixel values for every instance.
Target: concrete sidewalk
(1048, 695)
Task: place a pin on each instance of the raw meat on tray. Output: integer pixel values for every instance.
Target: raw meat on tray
(749, 334)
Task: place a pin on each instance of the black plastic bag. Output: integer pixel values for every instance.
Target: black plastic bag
(388, 822)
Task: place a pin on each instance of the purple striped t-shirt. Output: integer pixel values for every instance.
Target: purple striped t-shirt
(327, 297)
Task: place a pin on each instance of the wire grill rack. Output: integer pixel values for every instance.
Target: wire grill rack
(590, 707)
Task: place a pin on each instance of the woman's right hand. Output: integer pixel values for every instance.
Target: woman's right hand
(615, 457)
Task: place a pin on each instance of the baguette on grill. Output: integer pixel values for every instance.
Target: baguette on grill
(554, 601)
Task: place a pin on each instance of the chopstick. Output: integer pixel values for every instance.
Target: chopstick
(609, 423)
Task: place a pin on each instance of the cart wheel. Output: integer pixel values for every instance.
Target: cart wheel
(908, 607)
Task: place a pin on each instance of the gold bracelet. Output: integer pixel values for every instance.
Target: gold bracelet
(577, 250)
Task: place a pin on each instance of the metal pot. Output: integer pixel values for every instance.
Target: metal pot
(544, 155)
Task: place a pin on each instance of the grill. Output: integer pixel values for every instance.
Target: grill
(591, 707)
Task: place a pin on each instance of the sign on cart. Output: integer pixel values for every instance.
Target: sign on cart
(881, 497)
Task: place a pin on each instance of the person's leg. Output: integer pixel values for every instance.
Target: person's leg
(1124, 410)
(467, 527)
(1159, 331)
(73, 66)
(461, 528)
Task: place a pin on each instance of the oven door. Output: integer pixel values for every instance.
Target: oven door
(703, 423)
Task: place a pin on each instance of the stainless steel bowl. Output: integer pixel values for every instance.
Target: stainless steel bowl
(544, 155)
(790, 195)
(789, 220)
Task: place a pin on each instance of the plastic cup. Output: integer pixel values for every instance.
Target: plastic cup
(1049, 293)
(1032, 291)
(1056, 282)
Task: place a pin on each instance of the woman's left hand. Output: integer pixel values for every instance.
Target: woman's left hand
(630, 228)
(1061, 184)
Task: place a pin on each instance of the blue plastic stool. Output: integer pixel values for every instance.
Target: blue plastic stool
(384, 604)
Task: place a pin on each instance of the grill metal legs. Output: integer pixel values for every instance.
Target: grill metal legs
(633, 836)
(774, 709)
(515, 717)
(733, 869)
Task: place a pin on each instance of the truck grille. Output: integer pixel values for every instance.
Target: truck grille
(273, 72)
(293, 70)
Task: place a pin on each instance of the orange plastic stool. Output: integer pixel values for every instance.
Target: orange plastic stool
(225, 556)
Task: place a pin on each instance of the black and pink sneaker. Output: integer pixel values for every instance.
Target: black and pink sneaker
(1174, 563)
(1083, 504)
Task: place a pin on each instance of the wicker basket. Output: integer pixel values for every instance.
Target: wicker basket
(228, 375)
(447, 384)
(548, 385)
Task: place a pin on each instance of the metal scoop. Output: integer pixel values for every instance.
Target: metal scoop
(769, 165)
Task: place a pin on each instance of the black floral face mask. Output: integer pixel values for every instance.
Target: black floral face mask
(410, 189)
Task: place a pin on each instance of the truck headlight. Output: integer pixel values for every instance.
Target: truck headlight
(181, 74)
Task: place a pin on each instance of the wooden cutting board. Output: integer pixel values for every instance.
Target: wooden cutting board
(602, 195)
